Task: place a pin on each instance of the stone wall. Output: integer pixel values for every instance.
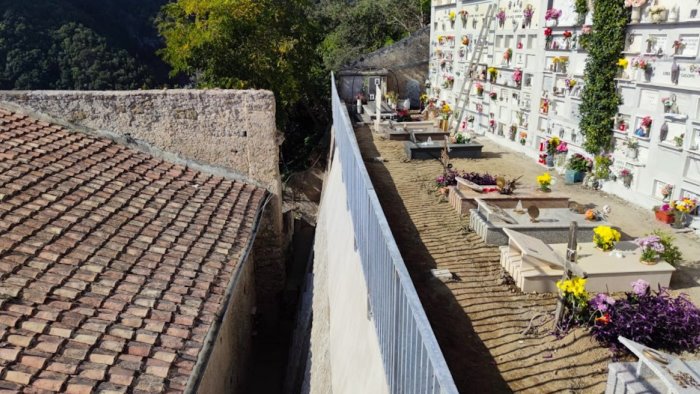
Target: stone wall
(228, 363)
(407, 62)
(224, 132)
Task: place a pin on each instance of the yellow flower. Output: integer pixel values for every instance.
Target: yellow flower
(453, 15)
(605, 237)
(544, 179)
(575, 286)
(622, 63)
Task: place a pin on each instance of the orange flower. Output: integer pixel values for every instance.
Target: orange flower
(605, 319)
(590, 214)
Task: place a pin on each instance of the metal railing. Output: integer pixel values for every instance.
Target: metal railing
(412, 359)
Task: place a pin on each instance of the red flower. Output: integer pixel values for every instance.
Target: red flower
(567, 34)
(547, 31)
(605, 319)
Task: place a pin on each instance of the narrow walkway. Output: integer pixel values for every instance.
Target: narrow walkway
(478, 321)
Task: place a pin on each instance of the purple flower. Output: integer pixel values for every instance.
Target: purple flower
(601, 302)
(640, 287)
(650, 242)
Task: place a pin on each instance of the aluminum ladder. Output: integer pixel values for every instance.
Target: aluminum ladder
(462, 99)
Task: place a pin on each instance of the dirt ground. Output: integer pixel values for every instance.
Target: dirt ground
(478, 320)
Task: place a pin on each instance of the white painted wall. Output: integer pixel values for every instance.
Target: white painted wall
(659, 162)
(345, 355)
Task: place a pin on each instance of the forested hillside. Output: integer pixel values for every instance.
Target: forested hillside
(286, 46)
(80, 44)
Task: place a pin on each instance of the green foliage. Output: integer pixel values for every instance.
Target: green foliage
(671, 254)
(254, 44)
(600, 98)
(80, 44)
(353, 29)
(601, 169)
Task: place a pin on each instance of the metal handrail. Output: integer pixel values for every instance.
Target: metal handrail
(412, 359)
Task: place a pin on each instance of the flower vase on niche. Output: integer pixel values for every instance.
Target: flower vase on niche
(648, 72)
(636, 14)
(675, 72)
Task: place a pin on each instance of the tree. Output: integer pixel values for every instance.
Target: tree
(263, 44)
(358, 27)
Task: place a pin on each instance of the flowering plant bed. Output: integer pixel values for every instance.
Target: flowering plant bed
(655, 319)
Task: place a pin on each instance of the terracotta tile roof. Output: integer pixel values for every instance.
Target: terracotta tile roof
(113, 264)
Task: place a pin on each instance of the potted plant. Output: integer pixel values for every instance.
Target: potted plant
(626, 176)
(544, 182)
(652, 248)
(605, 238)
(576, 168)
(632, 145)
(664, 213)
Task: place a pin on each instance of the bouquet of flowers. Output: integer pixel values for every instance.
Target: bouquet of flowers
(501, 16)
(570, 83)
(517, 76)
(544, 181)
(528, 11)
(445, 110)
(605, 237)
(563, 147)
(632, 143)
(493, 74)
(666, 191)
(507, 55)
(463, 14)
(678, 45)
(523, 137)
(622, 63)
(567, 35)
(552, 14)
(452, 15)
(647, 121)
(575, 298)
(552, 145)
(465, 40)
(634, 3)
(548, 32)
(685, 205)
(641, 63)
(651, 247)
(479, 89)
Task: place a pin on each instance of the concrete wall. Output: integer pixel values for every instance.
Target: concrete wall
(228, 363)
(345, 355)
(406, 60)
(229, 130)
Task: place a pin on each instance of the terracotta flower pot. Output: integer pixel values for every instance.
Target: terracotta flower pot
(664, 217)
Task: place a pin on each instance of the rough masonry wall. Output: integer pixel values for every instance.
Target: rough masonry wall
(232, 130)
(407, 61)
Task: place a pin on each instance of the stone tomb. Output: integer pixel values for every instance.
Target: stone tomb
(433, 150)
(463, 197)
(415, 131)
(536, 266)
(551, 227)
